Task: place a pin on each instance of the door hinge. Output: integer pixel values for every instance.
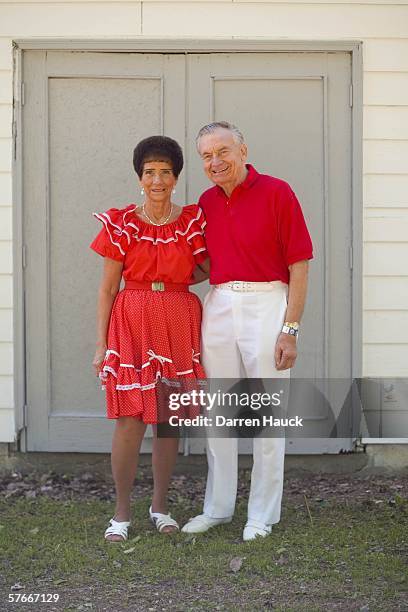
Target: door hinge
(24, 256)
(359, 447)
(351, 95)
(22, 93)
(351, 257)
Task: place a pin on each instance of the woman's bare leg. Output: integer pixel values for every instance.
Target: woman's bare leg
(126, 442)
(163, 460)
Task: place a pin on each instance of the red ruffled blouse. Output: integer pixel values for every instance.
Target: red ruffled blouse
(165, 253)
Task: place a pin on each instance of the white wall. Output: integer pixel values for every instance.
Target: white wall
(383, 27)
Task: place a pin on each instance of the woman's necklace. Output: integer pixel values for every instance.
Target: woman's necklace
(153, 222)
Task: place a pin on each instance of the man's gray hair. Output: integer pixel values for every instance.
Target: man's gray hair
(210, 128)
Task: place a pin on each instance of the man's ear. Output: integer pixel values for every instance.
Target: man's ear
(244, 151)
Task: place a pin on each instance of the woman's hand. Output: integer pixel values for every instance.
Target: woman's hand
(98, 359)
(201, 272)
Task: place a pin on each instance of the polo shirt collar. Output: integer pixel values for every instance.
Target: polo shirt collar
(248, 182)
(250, 177)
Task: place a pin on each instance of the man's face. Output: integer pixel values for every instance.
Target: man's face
(223, 157)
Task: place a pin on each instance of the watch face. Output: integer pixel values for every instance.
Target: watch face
(289, 330)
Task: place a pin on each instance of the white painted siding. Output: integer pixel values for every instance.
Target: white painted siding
(385, 297)
(7, 424)
(6, 358)
(70, 19)
(385, 294)
(6, 324)
(380, 24)
(386, 122)
(385, 190)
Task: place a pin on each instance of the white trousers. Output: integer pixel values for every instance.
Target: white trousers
(239, 334)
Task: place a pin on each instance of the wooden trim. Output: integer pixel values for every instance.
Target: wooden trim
(357, 212)
(187, 45)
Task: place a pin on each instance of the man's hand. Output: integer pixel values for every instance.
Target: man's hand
(285, 351)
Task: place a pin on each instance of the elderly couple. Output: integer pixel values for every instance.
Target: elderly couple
(248, 234)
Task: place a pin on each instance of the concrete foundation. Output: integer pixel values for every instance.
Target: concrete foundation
(375, 458)
(387, 457)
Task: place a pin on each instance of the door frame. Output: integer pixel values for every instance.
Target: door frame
(181, 45)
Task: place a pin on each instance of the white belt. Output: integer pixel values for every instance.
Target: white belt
(250, 285)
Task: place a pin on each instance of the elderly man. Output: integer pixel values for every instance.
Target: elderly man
(259, 248)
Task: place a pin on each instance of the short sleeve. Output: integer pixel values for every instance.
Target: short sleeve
(113, 240)
(292, 229)
(196, 238)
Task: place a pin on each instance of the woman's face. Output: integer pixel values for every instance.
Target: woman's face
(158, 181)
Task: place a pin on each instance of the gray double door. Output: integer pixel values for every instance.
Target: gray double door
(83, 114)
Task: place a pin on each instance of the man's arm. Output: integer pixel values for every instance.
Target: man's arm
(285, 350)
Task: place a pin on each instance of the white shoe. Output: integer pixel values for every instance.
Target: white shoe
(119, 528)
(202, 523)
(253, 530)
(163, 520)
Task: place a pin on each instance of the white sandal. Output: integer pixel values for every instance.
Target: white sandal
(119, 528)
(162, 520)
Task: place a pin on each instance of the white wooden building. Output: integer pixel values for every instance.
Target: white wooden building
(320, 90)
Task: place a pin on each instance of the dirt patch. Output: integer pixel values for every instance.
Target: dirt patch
(370, 489)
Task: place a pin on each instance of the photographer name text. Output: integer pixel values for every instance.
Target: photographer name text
(222, 421)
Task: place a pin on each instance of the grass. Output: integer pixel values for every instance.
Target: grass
(340, 557)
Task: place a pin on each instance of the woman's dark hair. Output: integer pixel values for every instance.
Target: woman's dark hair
(158, 148)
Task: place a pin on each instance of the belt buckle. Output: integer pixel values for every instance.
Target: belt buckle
(240, 286)
(158, 286)
(247, 286)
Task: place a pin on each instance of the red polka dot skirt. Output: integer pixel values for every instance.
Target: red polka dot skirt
(153, 344)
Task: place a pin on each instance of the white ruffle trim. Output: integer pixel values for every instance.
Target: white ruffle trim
(104, 217)
(118, 231)
(163, 379)
(103, 374)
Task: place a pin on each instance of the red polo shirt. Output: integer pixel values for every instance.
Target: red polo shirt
(256, 233)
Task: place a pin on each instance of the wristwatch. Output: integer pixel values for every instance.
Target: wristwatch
(291, 328)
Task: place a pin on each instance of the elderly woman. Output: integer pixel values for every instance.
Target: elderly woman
(149, 332)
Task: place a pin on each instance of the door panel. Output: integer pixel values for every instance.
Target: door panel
(294, 112)
(83, 117)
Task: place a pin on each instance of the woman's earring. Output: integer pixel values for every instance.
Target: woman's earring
(142, 192)
(174, 191)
